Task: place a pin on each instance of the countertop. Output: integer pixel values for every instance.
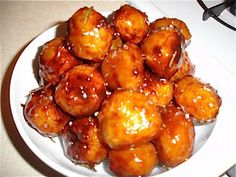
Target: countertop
(21, 22)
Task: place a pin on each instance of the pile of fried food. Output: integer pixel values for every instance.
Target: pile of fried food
(121, 89)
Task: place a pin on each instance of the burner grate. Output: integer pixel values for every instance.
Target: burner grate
(232, 8)
(216, 10)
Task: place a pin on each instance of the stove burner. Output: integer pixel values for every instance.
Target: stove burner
(216, 10)
(232, 8)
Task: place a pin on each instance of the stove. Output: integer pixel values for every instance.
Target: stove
(223, 12)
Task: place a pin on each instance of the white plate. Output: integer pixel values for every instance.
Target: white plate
(207, 68)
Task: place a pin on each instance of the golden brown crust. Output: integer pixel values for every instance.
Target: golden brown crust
(172, 23)
(135, 161)
(55, 60)
(197, 98)
(163, 52)
(128, 118)
(123, 67)
(43, 114)
(159, 91)
(130, 23)
(89, 35)
(82, 142)
(175, 142)
(81, 91)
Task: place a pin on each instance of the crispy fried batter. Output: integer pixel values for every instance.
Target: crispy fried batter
(43, 114)
(128, 118)
(197, 98)
(176, 140)
(89, 35)
(131, 24)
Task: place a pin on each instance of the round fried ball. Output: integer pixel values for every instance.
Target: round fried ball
(41, 112)
(81, 91)
(89, 35)
(163, 52)
(175, 142)
(197, 98)
(159, 91)
(172, 23)
(54, 60)
(134, 161)
(130, 23)
(82, 143)
(123, 67)
(128, 118)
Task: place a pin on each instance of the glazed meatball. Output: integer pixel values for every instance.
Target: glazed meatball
(41, 112)
(54, 60)
(163, 52)
(128, 118)
(135, 161)
(81, 91)
(131, 24)
(123, 67)
(197, 98)
(186, 68)
(175, 142)
(89, 35)
(159, 91)
(172, 23)
(82, 144)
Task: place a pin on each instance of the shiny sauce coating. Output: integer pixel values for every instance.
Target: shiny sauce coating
(55, 60)
(197, 98)
(159, 91)
(175, 23)
(81, 91)
(186, 68)
(89, 35)
(176, 139)
(82, 142)
(134, 161)
(43, 114)
(163, 52)
(128, 118)
(131, 24)
(123, 67)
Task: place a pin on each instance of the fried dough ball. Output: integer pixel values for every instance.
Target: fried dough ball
(199, 99)
(81, 91)
(135, 161)
(163, 52)
(41, 112)
(172, 22)
(131, 23)
(160, 91)
(128, 118)
(175, 142)
(82, 144)
(54, 60)
(89, 35)
(186, 68)
(123, 67)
